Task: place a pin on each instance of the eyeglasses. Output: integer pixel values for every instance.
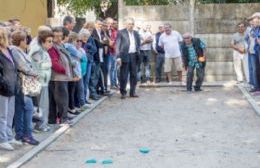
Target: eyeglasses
(49, 41)
(79, 41)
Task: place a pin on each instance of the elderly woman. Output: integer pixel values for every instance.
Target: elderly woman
(73, 85)
(42, 63)
(23, 103)
(8, 87)
(85, 35)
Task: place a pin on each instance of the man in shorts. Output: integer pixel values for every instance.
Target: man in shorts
(170, 41)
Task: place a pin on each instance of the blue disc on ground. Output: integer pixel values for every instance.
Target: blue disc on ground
(91, 161)
(144, 150)
(107, 162)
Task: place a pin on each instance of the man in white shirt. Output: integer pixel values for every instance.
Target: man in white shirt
(145, 52)
(169, 41)
(127, 51)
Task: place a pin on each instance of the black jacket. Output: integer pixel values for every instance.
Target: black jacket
(98, 43)
(8, 76)
(158, 48)
(185, 53)
(123, 44)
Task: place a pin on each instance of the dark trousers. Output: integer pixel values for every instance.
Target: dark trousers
(101, 82)
(159, 66)
(79, 96)
(72, 90)
(200, 72)
(125, 69)
(105, 68)
(59, 99)
(94, 79)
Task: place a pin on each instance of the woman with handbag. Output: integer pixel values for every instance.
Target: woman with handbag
(42, 63)
(23, 102)
(8, 85)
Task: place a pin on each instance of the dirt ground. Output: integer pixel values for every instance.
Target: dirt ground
(216, 128)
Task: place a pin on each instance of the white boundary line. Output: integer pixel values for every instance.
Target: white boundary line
(250, 99)
(29, 155)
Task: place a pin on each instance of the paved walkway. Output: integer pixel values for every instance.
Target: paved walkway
(216, 128)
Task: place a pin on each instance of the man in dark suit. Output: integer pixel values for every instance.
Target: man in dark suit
(98, 36)
(128, 49)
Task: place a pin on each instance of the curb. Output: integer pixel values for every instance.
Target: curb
(29, 155)
(175, 84)
(250, 99)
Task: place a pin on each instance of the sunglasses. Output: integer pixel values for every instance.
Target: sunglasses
(79, 41)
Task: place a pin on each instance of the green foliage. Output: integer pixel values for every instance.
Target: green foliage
(79, 7)
(229, 1)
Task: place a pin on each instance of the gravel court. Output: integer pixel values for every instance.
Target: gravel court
(216, 128)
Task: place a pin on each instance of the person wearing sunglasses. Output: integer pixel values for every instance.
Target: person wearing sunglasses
(42, 64)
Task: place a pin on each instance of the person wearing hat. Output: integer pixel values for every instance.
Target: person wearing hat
(254, 65)
(193, 56)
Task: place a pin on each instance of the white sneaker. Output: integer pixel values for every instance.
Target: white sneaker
(15, 142)
(6, 146)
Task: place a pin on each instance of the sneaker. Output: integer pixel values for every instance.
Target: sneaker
(89, 103)
(84, 107)
(252, 90)
(74, 112)
(6, 146)
(113, 88)
(70, 116)
(15, 142)
(39, 130)
(67, 121)
(30, 141)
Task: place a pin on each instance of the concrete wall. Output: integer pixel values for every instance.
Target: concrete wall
(32, 13)
(214, 23)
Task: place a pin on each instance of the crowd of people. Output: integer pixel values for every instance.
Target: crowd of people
(49, 79)
(246, 52)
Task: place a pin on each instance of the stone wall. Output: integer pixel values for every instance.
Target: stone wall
(214, 23)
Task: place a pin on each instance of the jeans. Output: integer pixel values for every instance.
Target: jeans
(7, 109)
(253, 68)
(86, 80)
(113, 70)
(159, 65)
(145, 65)
(79, 93)
(94, 79)
(200, 72)
(59, 100)
(23, 116)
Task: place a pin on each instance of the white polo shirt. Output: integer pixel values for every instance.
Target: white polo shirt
(170, 43)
